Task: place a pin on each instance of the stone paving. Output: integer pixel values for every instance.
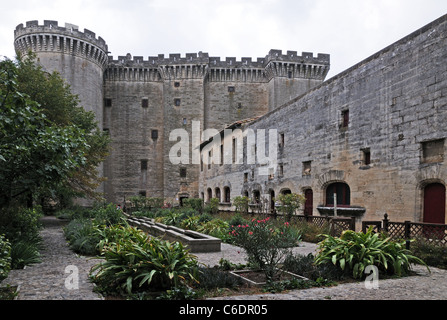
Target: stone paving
(49, 280)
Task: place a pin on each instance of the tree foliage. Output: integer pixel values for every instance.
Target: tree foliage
(47, 143)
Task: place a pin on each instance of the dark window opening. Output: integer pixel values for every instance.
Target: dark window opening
(145, 103)
(177, 102)
(142, 193)
(366, 157)
(345, 118)
(176, 84)
(154, 134)
(281, 140)
(231, 89)
(143, 165)
(108, 102)
(256, 196)
(343, 193)
(182, 172)
(227, 196)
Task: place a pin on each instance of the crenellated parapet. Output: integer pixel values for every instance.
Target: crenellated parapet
(201, 65)
(292, 65)
(50, 37)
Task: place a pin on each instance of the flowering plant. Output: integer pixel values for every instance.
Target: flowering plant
(265, 243)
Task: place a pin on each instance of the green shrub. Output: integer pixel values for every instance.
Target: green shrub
(136, 262)
(21, 224)
(354, 251)
(194, 203)
(24, 253)
(212, 278)
(306, 267)
(5, 257)
(431, 253)
(82, 236)
(215, 228)
(212, 207)
(265, 244)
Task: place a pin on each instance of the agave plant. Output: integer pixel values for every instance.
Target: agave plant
(354, 251)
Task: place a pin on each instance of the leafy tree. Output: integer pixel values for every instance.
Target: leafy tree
(289, 203)
(48, 145)
(62, 108)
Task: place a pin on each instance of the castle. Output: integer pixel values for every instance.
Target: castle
(373, 136)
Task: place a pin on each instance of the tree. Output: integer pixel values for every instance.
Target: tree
(35, 154)
(289, 203)
(62, 108)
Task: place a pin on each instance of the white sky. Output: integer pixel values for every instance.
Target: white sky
(348, 30)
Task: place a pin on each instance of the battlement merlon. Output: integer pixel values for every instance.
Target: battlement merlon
(52, 27)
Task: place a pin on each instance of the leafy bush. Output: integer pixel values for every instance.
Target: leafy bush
(23, 254)
(305, 266)
(431, 253)
(135, 262)
(213, 278)
(5, 257)
(212, 207)
(82, 236)
(21, 226)
(265, 244)
(194, 203)
(354, 251)
(216, 228)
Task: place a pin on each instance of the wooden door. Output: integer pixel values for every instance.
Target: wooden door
(434, 203)
(309, 204)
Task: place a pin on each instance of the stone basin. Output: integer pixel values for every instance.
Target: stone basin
(195, 241)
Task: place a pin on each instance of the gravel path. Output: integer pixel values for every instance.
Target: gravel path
(50, 280)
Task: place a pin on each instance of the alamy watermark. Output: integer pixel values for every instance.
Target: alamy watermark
(372, 280)
(72, 281)
(226, 147)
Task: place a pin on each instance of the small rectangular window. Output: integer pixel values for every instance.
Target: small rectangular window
(177, 102)
(246, 177)
(182, 172)
(366, 157)
(281, 140)
(231, 89)
(281, 170)
(433, 151)
(154, 134)
(176, 84)
(108, 102)
(145, 103)
(345, 118)
(307, 168)
(143, 165)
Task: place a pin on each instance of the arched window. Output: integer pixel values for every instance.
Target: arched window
(218, 194)
(343, 193)
(227, 196)
(209, 194)
(256, 196)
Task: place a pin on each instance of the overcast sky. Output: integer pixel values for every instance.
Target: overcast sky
(348, 30)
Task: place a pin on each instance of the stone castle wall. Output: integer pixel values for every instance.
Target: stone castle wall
(140, 102)
(397, 106)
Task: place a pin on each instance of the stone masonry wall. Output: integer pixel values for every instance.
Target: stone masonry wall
(397, 101)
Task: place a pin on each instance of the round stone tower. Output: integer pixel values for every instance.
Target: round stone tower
(79, 57)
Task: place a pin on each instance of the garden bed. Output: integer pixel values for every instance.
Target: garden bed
(258, 278)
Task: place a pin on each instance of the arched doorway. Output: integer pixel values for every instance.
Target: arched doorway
(434, 203)
(309, 204)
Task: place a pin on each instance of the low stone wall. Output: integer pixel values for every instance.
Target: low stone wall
(195, 241)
